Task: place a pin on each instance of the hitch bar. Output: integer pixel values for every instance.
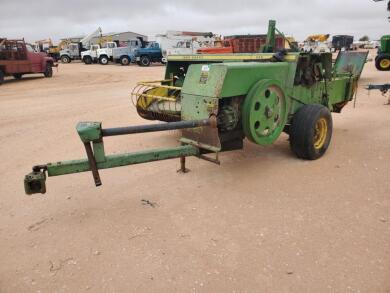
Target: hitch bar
(91, 134)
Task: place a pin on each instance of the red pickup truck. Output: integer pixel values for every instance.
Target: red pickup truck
(18, 58)
(242, 44)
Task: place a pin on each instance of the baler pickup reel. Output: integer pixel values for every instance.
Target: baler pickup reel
(92, 133)
(157, 100)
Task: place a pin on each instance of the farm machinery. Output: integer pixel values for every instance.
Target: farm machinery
(218, 101)
(382, 60)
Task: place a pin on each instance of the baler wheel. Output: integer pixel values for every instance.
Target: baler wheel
(1, 77)
(311, 132)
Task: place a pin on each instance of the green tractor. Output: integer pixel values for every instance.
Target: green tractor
(382, 60)
(219, 100)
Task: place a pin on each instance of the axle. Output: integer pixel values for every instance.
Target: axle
(156, 127)
(384, 88)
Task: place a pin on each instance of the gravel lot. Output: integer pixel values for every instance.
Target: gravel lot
(263, 221)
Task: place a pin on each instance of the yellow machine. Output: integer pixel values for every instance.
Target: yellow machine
(318, 38)
(104, 39)
(290, 42)
(316, 44)
(43, 45)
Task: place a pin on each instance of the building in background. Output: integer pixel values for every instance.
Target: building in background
(120, 38)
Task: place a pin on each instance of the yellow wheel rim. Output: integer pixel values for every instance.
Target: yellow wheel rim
(385, 63)
(320, 133)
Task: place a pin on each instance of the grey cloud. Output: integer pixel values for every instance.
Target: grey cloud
(42, 19)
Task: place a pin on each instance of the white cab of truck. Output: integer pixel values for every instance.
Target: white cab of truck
(104, 54)
(90, 56)
(180, 42)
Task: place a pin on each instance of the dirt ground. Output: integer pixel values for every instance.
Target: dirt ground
(263, 221)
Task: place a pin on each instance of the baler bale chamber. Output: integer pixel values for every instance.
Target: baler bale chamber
(219, 100)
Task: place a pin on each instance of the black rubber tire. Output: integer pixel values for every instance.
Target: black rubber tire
(18, 76)
(302, 131)
(87, 60)
(103, 60)
(125, 60)
(65, 59)
(378, 61)
(48, 70)
(1, 77)
(145, 61)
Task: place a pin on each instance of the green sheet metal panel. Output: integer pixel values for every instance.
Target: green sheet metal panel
(348, 62)
(240, 77)
(385, 44)
(204, 80)
(232, 79)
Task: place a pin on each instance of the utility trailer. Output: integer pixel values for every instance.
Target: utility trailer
(18, 58)
(342, 42)
(218, 101)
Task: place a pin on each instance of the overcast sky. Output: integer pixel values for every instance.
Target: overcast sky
(41, 19)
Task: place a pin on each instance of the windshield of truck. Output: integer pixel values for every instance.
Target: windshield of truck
(153, 45)
(29, 48)
(133, 43)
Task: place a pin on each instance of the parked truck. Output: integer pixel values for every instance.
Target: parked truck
(382, 60)
(150, 54)
(18, 58)
(183, 42)
(316, 44)
(73, 50)
(242, 44)
(342, 42)
(90, 56)
(123, 55)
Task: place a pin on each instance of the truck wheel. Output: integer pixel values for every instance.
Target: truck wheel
(87, 60)
(65, 59)
(18, 76)
(125, 60)
(311, 132)
(103, 60)
(382, 63)
(48, 71)
(1, 77)
(145, 61)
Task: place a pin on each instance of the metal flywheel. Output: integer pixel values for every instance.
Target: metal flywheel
(265, 112)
